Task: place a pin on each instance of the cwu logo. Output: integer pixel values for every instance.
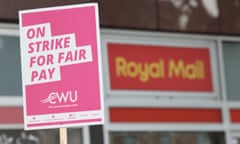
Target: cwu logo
(61, 97)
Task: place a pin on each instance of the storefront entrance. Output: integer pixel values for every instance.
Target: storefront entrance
(167, 138)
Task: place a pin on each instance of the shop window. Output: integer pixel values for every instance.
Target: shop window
(38, 137)
(231, 52)
(235, 140)
(10, 73)
(167, 138)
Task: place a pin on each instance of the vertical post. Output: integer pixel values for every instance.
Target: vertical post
(63, 135)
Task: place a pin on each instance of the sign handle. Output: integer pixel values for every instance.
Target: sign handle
(63, 135)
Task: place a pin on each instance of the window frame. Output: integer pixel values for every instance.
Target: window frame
(12, 31)
(158, 39)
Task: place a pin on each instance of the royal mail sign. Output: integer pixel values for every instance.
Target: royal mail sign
(160, 68)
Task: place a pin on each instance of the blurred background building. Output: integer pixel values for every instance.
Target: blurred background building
(173, 111)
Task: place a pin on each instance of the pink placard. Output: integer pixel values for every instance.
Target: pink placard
(61, 68)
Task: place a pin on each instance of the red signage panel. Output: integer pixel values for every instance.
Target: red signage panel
(182, 115)
(163, 68)
(11, 115)
(235, 115)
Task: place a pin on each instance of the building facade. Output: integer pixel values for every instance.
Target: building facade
(170, 69)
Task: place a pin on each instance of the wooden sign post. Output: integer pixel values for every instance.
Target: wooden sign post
(63, 135)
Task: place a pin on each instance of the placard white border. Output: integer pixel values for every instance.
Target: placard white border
(101, 115)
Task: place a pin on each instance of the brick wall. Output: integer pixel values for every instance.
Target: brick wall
(191, 16)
